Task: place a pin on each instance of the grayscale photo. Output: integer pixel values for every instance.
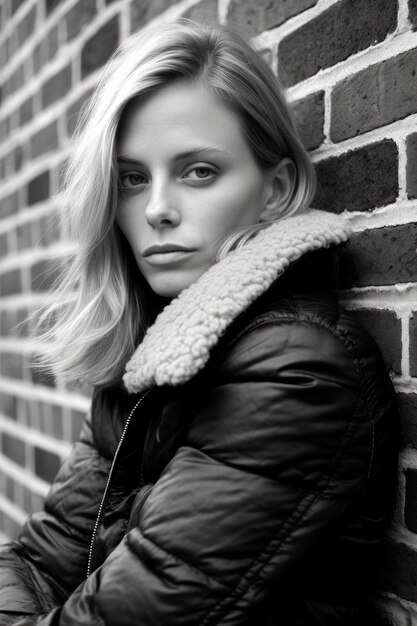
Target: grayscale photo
(208, 313)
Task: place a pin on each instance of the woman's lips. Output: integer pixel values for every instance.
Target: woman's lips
(165, 248)
(166, 257)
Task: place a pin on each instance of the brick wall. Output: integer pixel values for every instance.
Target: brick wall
(351, 71)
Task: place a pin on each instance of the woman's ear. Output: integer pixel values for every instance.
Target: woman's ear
(281, 179)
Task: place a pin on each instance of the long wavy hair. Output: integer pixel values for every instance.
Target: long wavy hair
(102, 305)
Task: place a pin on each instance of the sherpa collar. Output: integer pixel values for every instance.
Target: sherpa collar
(177, 346)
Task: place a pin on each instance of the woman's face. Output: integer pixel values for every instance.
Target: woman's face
(187, 179)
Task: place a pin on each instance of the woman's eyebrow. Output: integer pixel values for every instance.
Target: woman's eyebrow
(126, 159)
(195, 152)
(199, 152)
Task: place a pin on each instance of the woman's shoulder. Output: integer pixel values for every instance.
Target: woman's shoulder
(300, 324)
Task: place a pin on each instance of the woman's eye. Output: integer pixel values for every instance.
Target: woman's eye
(201, 172)
(131, 179)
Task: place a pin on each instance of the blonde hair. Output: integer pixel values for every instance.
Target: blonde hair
(102, 305)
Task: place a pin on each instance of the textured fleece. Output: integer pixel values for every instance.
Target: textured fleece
(177, 346)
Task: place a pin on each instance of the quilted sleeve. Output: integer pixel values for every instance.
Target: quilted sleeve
(279, 451)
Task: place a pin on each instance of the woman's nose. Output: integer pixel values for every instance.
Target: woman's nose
(161, 209)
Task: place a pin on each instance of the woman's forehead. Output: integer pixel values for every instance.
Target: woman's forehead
(180, 117)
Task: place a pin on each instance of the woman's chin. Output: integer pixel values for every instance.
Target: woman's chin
(171, 285)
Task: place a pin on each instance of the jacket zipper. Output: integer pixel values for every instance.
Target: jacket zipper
(100, 510)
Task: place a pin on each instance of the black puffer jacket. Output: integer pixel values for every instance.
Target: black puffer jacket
(249, 483)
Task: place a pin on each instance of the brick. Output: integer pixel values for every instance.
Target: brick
(264, 14)
(51, 5)
(381, 256)
(8, 405)
(413, 344)
(45, 140)
(32, 414)
(46, 464)
(309, 117)
(412, 166)
(56, 422)
(26, 26)
(10, 283)
(11, 365)
(13, 448)
(52, 420)
(37, 57)
(335, 35)
(359, 180)
(23, 236)
(17, 158)
(385, 328)
(20, 411)
(79, 17)
(9, 163)
(410, 508)
(374, 97)
(9, 204)
(38, 188)
(6, 89)
(9, 488)
(99, 47)
(56, 87)
(73, 112)
(7, 322)
(412, 13)
(11, 43)
(3, 54)
(26, 111)
(51, 43)
(15, 5)
(142, 12)
(27, 500)
(32, 502)
(17, 79)
(14, 120)
(43, 274)
(399, 576)
(28, 67)
(205, 11)
(4, 128)
(77, 421)
(4, 246)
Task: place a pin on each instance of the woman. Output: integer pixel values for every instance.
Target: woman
(236, 464)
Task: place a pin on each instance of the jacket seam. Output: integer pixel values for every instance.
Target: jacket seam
(313, 320)
(344, 339)
(304, 505)
(339, 333)
(182, 560)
